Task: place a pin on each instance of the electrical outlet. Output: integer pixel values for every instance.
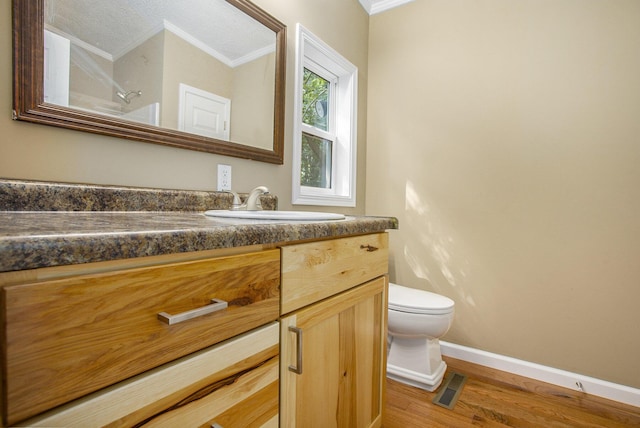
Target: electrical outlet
(224, 177)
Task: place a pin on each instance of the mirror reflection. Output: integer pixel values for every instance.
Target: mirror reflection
(197, 66)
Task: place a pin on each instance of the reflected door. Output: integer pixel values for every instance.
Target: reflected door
(204, 113)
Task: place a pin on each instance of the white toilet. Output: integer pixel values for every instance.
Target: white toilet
(417, 318)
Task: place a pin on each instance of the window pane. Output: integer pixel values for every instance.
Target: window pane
(315, 97)
(315, 170)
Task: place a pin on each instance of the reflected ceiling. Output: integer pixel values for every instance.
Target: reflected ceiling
(112, 28)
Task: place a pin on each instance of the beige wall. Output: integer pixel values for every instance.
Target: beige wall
(32, 151)
(140, 69)
(252, 101)
(505, 135)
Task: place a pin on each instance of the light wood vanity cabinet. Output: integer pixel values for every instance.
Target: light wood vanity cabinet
(74, 334)
(332, 332)
(85, 345)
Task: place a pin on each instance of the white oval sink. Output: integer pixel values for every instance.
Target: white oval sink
(275, 215)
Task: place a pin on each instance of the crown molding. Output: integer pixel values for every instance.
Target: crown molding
(376, 6)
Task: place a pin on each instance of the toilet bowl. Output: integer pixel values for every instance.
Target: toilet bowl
(417, 319)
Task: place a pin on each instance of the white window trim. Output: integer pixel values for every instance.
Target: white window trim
(343, 189)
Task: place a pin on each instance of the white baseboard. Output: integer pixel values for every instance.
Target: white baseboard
(601, 388)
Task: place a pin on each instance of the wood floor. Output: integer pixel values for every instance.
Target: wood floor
(491, 398)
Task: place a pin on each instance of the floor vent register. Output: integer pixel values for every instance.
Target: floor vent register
(450, 390)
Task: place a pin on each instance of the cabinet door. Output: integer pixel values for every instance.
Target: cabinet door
(333, 360)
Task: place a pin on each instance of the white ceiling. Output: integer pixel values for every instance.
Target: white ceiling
(376, 6)
(116, 26)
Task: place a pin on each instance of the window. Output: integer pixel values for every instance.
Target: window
(317, 137)
(324, 148)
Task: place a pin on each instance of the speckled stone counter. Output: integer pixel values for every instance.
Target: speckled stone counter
(22, 195)
(32, 239)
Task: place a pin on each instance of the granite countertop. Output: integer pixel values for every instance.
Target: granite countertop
(36, 237)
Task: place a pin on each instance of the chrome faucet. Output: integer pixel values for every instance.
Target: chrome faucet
(253, 201)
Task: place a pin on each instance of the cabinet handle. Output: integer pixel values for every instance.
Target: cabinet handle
(216, 305)
(215, 425)
(369, 248)
(298, 367)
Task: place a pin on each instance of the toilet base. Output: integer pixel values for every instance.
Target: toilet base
(419, 380)
(415, 361)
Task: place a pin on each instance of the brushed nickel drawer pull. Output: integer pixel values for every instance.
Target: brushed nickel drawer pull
(298, 367)
(216, 305)
(369, 248)
(215, 425)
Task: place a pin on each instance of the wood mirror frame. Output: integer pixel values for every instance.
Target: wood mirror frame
(29, 105)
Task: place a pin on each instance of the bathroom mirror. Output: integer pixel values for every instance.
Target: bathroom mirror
(206, 75)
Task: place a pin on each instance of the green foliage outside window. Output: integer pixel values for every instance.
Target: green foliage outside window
(315, 169)
(315, 94)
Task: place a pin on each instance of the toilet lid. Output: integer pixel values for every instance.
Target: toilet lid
(405, 299)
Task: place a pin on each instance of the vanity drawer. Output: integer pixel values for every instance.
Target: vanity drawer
(232, 384)
(68, 337)
(317, 270)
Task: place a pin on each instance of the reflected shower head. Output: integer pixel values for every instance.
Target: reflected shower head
(126, 96)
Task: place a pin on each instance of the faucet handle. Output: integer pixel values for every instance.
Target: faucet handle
(237, 203)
